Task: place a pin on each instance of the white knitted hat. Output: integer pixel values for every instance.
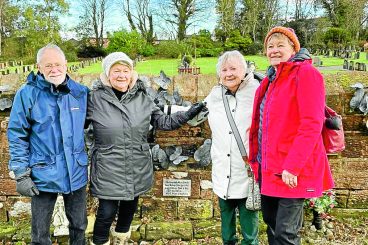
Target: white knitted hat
(114, 58)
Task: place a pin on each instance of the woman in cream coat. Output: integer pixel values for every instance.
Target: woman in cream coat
(229, 171)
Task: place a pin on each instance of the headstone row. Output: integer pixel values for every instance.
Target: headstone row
(354, 66)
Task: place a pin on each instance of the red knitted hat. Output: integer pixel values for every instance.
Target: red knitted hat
(289, 32)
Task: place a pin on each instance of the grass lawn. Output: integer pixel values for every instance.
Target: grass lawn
(170, 66)
(207, 65)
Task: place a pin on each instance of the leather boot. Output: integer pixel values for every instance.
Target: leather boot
(317, 220)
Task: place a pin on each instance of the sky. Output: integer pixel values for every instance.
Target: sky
(116, 20)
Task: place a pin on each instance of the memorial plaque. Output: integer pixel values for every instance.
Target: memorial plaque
(177, 187)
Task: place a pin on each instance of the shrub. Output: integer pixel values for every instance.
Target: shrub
(237, 41)
(131, 43)
(90, 52)
(323, 204)
(148, 50)
(254, 48)
(173, 49)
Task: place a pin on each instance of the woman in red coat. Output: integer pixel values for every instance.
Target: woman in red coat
(286, 147)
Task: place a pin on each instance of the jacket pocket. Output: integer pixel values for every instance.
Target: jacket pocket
(81, 158)
(40, 161)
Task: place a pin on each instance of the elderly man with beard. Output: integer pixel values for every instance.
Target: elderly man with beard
(46, 145)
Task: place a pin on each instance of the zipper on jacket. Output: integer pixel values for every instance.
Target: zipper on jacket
(264, 139)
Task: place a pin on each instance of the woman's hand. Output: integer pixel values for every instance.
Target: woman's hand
(289, 179)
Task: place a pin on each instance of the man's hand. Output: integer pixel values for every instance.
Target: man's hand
(25, 185)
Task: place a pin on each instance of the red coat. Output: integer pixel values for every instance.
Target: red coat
(291, 132)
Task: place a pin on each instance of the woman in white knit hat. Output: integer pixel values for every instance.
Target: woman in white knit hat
(121, 112)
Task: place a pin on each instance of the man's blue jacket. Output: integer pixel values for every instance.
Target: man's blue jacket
(45, 134)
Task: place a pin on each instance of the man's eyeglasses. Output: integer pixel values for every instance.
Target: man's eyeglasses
(50, 66)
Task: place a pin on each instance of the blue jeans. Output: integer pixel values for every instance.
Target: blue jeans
(284, 218)
(42, 207)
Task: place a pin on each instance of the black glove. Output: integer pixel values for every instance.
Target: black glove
(25, 185)
(194, 110)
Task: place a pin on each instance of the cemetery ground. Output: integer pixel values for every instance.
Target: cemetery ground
(208, 65)
(342, 228)
(330, 65)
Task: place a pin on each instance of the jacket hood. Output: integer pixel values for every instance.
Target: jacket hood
(302, 55)
(38, 80)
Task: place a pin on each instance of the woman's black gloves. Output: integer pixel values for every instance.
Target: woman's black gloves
(194, 110)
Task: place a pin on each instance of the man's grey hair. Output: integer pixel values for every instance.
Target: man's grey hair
(42, 50)
(229, 55)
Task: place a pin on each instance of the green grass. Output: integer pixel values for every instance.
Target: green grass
(207, 65)
(170, 66)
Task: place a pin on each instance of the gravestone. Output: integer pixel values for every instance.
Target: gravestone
(20, 63)
(357, 55)
(362, 67)
(327, 53)
(357, 66)
(16, 70)
(317, 61)
(2, 65)
(351, 65)
(335, 53)
(25, 69)
(346, 64)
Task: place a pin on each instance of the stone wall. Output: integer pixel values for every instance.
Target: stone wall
(196, 216)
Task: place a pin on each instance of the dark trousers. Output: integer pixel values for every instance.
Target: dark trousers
(106, 213)
(284, 218)
(248, 222)
(42, 207)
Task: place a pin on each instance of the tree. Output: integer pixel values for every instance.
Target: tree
(346, 14)
(226, 11)
(8, 14)
(92, 21)
(256, 17)
(249, 17)
(335, 10)
(140, 17)
(38, 24)
(180, 14)
(336, 37)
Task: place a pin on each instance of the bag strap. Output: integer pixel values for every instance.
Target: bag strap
(235, 130)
